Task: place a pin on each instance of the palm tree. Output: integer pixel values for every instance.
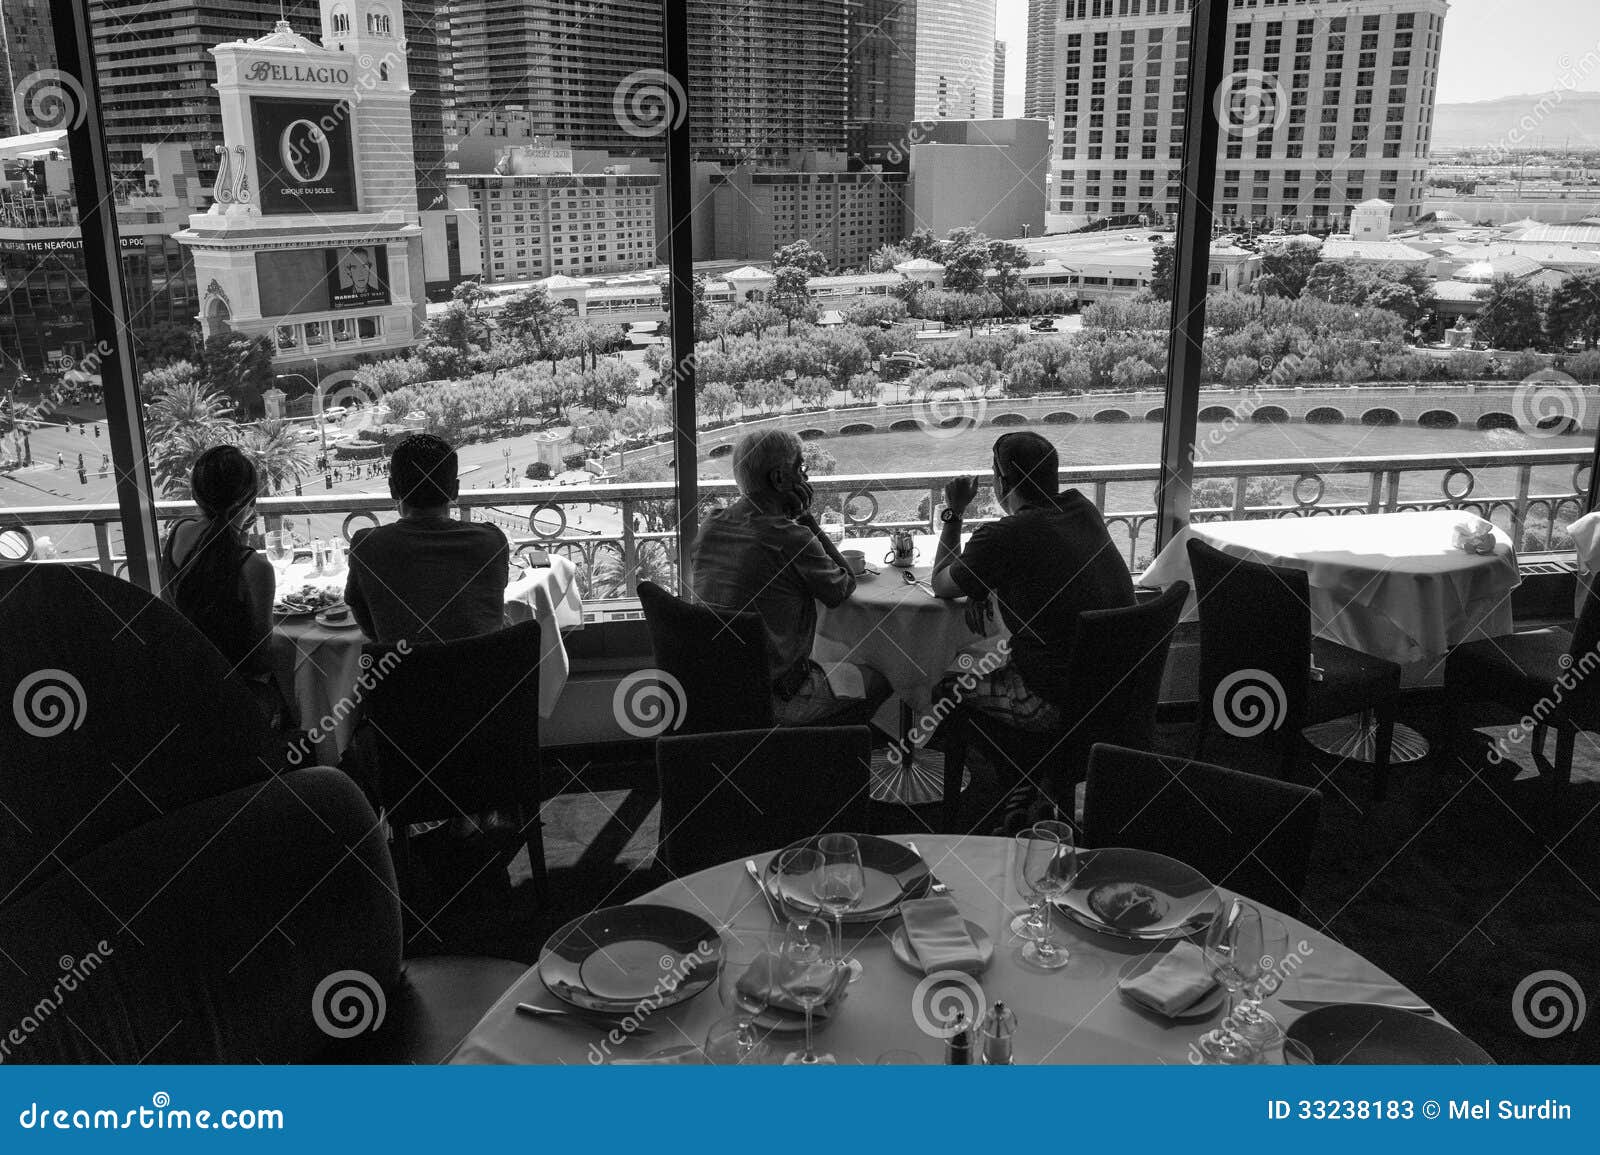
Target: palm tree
(280, 458)
(183, 422)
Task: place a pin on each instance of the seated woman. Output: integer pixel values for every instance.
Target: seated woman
(220, 584)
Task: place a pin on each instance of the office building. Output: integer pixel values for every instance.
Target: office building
(955, 59)
(882, 76)
(998, 104)
(1333, 106)
(1039, 70)
(983, 174)
(26, 49)
(846, 215)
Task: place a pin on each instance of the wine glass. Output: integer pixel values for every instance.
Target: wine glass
(1031, 924)
(797, 867)
(1049, 865)
(1233, 950)
(736, 1038)
(832, 522)
(280, 550)
(839, 884)
(1252, 1020)
(808, 969)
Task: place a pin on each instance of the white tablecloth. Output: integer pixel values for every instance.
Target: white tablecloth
(1389, 584)
(318, 667)
(901, 630)
(1071, 1016)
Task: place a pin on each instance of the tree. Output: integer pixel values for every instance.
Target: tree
(922, 245)
(965, 256)
(280, 457)
(886, 257)
(1329, 281)
(238, 367)
(183, 422)
(1574, 311)
(802, 254)
(532, 316)
(865, 387)
(1132, 374)
(717, 400)
(1291, 265)
(1007, 260)
(165, 378)
(472, 297)
(1163, 258)
(593, 430)
(1513, 314)
(169, 342)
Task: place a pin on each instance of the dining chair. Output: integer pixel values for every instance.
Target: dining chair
(456, 734)
(1256, 651)
(1118, 658)
(732, 794)
(1546, 675)
(1243, 831)
(720, 662)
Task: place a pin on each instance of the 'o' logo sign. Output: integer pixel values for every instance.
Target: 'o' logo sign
(295, 152)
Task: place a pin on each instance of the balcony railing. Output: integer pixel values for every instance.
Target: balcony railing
(1547, 489)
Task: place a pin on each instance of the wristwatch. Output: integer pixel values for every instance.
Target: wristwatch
(948, 514)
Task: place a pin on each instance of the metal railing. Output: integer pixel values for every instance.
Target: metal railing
(1546, 489)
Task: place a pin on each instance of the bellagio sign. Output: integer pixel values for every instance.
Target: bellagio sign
(262, 72)
(304, 155)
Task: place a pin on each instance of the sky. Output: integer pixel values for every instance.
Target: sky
(1491, 48)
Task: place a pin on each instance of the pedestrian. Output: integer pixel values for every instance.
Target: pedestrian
(80, 463)
(83, 477)
(61, 462)
(97, 431)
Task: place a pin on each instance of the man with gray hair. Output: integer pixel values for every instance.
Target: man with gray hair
(766, 554)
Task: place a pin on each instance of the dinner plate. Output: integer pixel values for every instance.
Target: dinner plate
(620, 958)
(1138, 894)
(337, 617)
(908, 958)
(1365, 1034)
(1202, 1008)
(285, 612)
(893, 873)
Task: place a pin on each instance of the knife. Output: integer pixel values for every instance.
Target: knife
(755, 877)
(1312, 1004)
(581, 1018)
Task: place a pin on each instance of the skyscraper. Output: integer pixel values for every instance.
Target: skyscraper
(955, 59)
(999, 103)
(26, 48)
(1327, 107)
(882, 74)
(1039, 80)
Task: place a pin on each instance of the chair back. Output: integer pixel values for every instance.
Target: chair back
(1242, 831)
(457, 724)
(1114, 675)
(720, 661)
(1255, 646)
(114, 710)
(729, 795)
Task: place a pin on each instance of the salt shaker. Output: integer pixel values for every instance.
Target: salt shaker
(996, 1035)
(958, 1047)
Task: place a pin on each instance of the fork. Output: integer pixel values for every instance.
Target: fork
(934, 885)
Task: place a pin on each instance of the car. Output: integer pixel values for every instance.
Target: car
(1043, 324)
(334, 412)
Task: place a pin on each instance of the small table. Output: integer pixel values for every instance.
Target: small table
(319, 667)
(1389, 584)
(1072, 1016)
(912, 638)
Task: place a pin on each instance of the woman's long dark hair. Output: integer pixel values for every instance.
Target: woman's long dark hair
(206, 584)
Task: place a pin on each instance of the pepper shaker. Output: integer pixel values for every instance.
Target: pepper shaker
(996, 1036)
(958, 1047)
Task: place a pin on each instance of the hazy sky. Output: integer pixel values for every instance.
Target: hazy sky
(1491, 48)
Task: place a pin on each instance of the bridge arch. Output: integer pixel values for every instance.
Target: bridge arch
(1008, 419)
(812, 434)
(1111, 416)
(905, 425)
(1438, 419)
(1159, 413)
(720, 451)
(1216, 413)
(1270, 415)
(1060, 418)
(1380, 416)
(1497, 421)
(1325, 415)
(856, 428)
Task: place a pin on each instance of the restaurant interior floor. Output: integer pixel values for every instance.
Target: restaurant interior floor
(1446, 884)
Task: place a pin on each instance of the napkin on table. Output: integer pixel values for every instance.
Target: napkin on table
(938, 937)
(1175, 983)
(763, 980)
(1474, 535)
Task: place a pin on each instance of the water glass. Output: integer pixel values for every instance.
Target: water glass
(839, 884)
(808, 968)
(736, 1038)
(832, 522)
(1049, 864)
(280, 549)
(1233, 949)
(317, 548)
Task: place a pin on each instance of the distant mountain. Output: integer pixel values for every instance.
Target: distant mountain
(1557, 120)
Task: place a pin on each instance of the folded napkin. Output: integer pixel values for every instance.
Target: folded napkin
(763, 980)
(845, 680)
(1175, 983)
(680, 1054)
(938, 937)
(1474, 535)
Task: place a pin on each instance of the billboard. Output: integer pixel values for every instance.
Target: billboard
(305, 158)
(291, 281)
(358, 275)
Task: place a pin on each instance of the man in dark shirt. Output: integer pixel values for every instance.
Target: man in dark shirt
(427, 577)
(1049, 559)
(766, 554)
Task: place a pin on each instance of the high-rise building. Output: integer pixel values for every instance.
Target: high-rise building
(157, 74)
(768, 81)
(882, 76)
(1039, 79)
(999, 101)
(955, 59)
(26, 49)
(1327, 107)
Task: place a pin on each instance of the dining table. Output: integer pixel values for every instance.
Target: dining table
(1076, 1014)
(1398, 586)
(319, 665)
(899, 628)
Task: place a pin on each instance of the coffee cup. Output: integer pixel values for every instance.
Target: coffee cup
(855, 561)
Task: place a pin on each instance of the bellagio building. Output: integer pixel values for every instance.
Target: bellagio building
(1327, 105)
